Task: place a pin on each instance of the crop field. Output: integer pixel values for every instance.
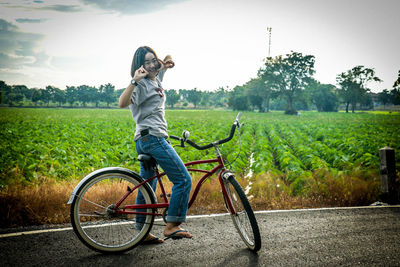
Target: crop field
(316, 159)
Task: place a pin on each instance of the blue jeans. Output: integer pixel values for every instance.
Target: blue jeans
(171, 163)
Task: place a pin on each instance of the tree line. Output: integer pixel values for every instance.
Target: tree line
(282, 83)
(83, 94)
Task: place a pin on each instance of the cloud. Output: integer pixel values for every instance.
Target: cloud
(62, 8)
(23, 20)
(129, 7)
(126, 7)
(12, 62)
(41, 5)
(19, 49)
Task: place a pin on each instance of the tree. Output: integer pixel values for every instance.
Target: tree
(384, 97)
(395, 96)
(45, 95)
(395, 92)
(94, 94)
(4, 91)
(15, 97)
(397, 82)
(238, 100)
(366, 101)
(101, 92)
(36, 96)
(172, 97)
(288, 75)
(22, 90)
(258, 93)
(205, 99)
(59, 96)
(50, 93)
(83, 94)
(71, 94)
(184, 95)
(194, 97)
(353, 85)
(219, 97)
(15, 94)
(107, 94)
(323, 96)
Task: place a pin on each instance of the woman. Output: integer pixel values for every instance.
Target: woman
(146, 100)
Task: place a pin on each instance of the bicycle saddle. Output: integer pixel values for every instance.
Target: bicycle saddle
(148, 161)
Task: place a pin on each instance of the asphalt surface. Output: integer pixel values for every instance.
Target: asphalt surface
(330, 237)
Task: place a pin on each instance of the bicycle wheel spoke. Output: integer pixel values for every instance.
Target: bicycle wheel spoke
(99, 225)
(93, 203)
(91, 215)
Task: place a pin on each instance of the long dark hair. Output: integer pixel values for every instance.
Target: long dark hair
(139, 57)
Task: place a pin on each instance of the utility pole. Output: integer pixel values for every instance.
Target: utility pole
(269, 29)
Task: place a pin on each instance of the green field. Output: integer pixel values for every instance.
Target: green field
(66, 144)
(312, 160)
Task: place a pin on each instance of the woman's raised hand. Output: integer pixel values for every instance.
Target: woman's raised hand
(140, 73)
(167, 63)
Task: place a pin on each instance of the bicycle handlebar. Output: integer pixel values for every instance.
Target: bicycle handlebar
(219, 142)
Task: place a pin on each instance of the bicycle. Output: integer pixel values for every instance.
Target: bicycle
(103, 205)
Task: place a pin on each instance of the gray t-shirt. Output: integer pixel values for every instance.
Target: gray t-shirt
(148, 107)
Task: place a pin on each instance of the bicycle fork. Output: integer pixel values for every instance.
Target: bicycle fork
(223, 178)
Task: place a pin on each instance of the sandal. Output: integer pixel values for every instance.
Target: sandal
(175, 235)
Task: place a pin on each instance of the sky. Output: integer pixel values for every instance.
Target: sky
(214, 43)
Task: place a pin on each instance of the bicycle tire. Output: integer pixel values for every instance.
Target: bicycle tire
(93, 219)
(243, 218)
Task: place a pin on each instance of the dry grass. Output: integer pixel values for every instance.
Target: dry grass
(43, 203)
(46, 201)
(357, 188)
(322, 188)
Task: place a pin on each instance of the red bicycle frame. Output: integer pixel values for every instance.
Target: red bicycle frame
(126, 209)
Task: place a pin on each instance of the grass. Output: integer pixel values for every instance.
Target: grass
(46, 201)
(42, 203)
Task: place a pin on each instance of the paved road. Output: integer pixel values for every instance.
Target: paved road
(349, 237)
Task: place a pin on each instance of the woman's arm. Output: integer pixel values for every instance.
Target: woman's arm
(167, 63)
(125, 98)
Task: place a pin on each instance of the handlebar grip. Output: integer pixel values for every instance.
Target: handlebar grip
(193, 144)
(174, 137)
(230, 135)
(238, 116)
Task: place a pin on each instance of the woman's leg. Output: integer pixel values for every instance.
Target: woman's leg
(177, 173)
(145, 174)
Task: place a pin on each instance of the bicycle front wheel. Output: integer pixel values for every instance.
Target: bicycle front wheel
(243, 216)
(98, 224)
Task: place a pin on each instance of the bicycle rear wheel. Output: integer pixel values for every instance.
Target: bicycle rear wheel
(243, 216)
(94, 219)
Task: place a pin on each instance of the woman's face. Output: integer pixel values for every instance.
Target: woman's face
(151, 64)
